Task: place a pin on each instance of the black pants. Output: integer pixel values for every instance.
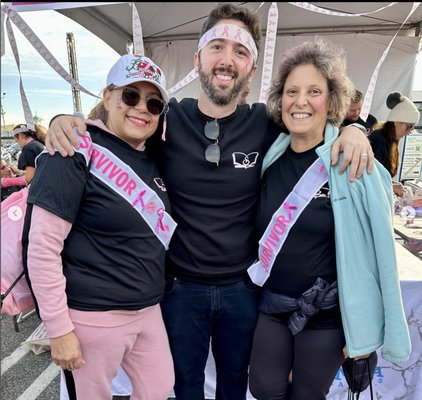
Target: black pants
(312, 356)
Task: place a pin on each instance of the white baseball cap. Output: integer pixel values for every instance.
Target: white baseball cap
(131, 68)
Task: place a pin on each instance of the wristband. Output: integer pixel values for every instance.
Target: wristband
(361, 127)
(18, 181)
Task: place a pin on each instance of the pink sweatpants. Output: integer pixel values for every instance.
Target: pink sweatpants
(140, 346)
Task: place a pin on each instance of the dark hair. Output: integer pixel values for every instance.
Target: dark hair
(331, 62)
(39, 133)
(388, 131)
(233, 11)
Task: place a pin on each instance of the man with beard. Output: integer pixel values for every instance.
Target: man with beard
(211, 162)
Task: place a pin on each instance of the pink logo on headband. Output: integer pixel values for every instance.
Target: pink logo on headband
(225, 31)
(238, 35)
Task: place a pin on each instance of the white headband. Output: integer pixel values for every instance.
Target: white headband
(231, 32)
(20, 130)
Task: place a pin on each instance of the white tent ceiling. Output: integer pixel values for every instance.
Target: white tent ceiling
(179, 20)
(170, 32)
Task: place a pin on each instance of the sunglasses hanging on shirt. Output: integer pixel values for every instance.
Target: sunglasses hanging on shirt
(212, 132)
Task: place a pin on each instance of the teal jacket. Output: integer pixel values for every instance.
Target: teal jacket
(369, 289)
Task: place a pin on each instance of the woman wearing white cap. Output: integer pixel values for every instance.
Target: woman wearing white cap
(98, 230)
(31, 142)
(385, 138)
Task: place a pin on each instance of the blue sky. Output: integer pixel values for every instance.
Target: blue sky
(48, 94)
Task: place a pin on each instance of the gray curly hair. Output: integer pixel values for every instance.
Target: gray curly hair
(331, 62)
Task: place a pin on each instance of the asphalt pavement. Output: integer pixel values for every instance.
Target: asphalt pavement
(24, 374)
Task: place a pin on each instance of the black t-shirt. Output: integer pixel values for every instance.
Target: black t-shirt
(111, 258)
(29, 153)
(214, 206)
(309, 249)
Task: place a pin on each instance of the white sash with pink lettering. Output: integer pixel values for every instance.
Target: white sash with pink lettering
(284, 218)
(125, 182)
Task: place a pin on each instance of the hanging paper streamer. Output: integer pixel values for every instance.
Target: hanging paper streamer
(138, 41)
(187, 79)
(25, 104)
(310, 7)
(19, 6)
(42, 50)
(366, 105)
(3, 16)
(270, 40)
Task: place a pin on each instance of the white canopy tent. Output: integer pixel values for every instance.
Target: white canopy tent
(171, 30)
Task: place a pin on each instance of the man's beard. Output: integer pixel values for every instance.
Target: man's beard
(215, 95)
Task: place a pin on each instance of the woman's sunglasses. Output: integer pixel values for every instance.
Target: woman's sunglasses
(131, 98)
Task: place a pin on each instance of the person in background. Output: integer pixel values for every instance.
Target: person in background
(327, 254)
(104, 215)
(353, 113)
(210, 162)
(385, 138)
(6, 173)
(31, 141)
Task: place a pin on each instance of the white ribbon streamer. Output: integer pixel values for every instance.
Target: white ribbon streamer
(187, 79)
(3, 16)
(138, 41)
(42, 50)
(267, 66)
(366, 105)
(42, 6)
(310, 7)
(25, 104)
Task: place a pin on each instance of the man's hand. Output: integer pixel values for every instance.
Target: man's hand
(66, 351)
(60, 135)
(357, 152)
